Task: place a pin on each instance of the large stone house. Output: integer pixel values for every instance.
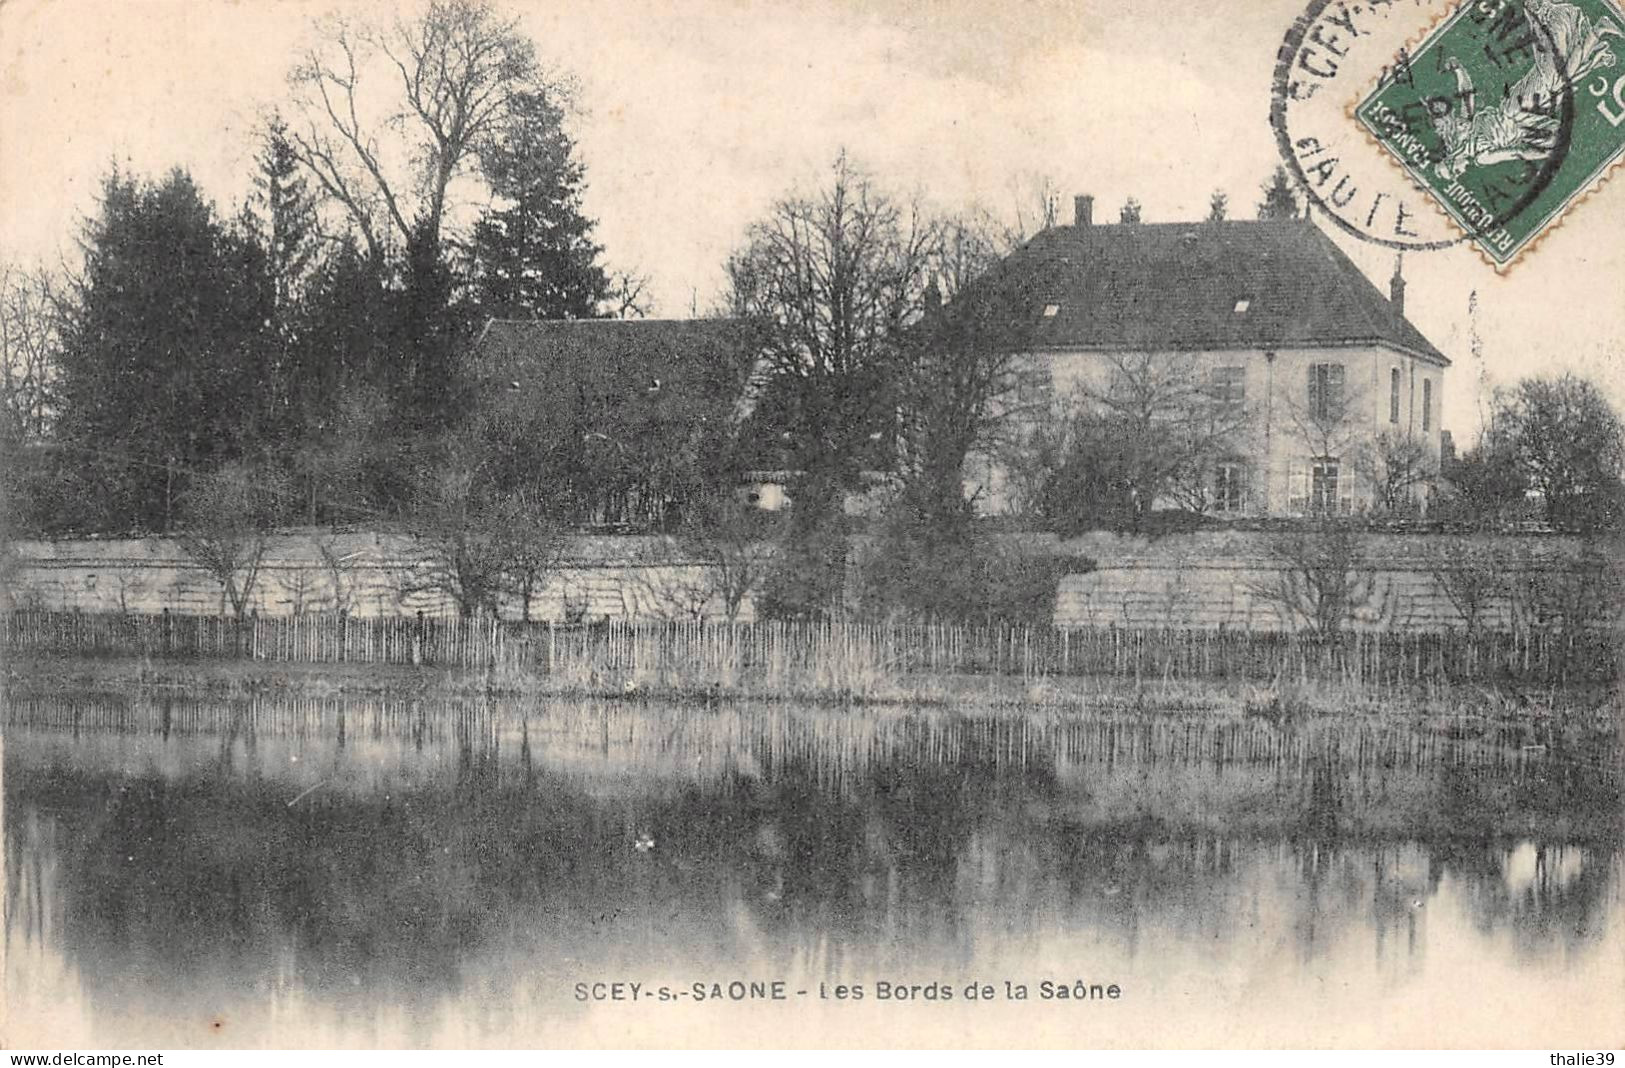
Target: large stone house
(1317, 395)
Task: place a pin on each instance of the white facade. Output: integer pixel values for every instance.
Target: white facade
(1289, 453)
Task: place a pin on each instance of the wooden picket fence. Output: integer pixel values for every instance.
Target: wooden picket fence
(699, 650)
(292, 639)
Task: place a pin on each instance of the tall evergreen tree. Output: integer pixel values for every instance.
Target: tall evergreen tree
(281, 217)
(1280, 199)
(347, 330)
(535, 257)
(286, 211)
(435, 331)
(346, 370)
(163, 354)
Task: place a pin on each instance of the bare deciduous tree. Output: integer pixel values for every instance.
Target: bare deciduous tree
(1473, 577)
(1149, 429)
(534, 545)
(29, 344)
(299, 583)
(1395, 464)
(459, 551)
(1323, 416)
(1570, 444)
(130, 584)
(473, 545)
(968, 383)
(628, 295)
(1034, 206)
(227, 517)
(839, 275)
(1563, 594)
(442, 81)
(340, 568)
(836, 276)
(716, 559)
(1321, 577)
(734, 543)
(674, 591)
(1029, 462)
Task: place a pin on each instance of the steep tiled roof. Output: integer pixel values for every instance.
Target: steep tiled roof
(608, 348)
(649, 385)
(1174, 286)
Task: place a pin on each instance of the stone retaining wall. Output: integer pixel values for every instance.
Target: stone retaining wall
(1235, 579)
(1204, 580)
(363, 572)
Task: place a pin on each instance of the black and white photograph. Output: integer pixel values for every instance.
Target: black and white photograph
(815, 524)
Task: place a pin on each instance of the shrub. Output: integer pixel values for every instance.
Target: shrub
(914, 570)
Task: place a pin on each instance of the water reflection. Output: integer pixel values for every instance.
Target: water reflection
(362, 873)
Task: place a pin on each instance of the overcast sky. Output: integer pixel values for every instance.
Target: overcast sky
(694, 117)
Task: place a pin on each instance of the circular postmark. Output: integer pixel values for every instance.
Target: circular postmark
(1421, 125)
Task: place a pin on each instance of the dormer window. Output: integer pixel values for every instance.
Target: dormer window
(1051, 310)
(1242, 304)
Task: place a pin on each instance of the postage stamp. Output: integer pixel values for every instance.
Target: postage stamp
(1331, 57)
(1507, 113)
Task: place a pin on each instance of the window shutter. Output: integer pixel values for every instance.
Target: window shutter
(1315, 410)
(1334, 391)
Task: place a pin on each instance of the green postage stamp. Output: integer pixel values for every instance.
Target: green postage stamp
(1507, 112)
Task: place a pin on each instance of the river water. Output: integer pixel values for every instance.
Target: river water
(183, 873)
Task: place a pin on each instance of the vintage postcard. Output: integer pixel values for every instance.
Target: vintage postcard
(812, 524)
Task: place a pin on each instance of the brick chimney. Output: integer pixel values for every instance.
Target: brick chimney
(1083, 211)
(1396, 285)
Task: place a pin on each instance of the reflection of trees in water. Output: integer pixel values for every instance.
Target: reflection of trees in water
(892, 836)
(1559, 905)
(205, 874)
(32, 851)
(208, 881)
(1124, 881)
(1324, 801)
(1350, 878)
(881, 859)
(1384, 778)
(1339, 886)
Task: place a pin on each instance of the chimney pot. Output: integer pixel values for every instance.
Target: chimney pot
(1083, 210)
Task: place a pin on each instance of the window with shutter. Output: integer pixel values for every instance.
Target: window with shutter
(1393, 395)
(1228, 387)
(1325, 392)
